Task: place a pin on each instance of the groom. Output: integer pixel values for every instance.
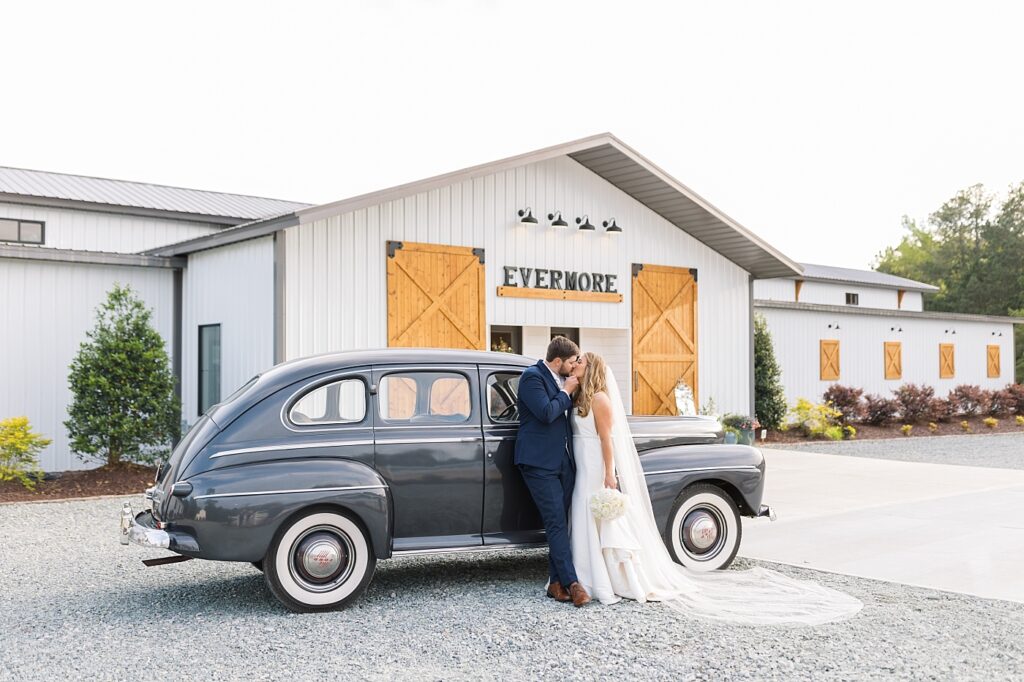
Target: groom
(544, 456)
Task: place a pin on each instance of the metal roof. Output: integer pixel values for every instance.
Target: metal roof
(17, 184)
(886, 312)
(602, 154)
(872, 277)
(46, 253)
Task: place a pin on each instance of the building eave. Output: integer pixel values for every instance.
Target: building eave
(886, 312)
(43, 253)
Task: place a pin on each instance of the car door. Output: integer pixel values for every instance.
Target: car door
(428, 446)
(510, 516)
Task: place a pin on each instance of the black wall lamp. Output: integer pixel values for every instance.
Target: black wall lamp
(584, 223)
(557, 222)
(834, 326)
(894, 329)
(611, 228)
(526, 217)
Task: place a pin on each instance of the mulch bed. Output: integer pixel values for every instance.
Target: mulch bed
(867, 431)
(121, 479)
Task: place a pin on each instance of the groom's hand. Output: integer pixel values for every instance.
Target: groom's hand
(571, 384)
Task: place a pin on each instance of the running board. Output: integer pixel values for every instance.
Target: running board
(471, 548)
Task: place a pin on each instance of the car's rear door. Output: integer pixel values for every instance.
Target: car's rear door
(510, 516)
(428, 446)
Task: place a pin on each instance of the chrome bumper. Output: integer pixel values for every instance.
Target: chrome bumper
(139, 534)
(765, 510)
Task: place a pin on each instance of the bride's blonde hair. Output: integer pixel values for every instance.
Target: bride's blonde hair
(593, 381)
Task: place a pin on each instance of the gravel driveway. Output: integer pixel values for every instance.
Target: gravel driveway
(76, 605)
(998, 450)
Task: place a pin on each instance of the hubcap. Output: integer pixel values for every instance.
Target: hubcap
(702, 532)
(322, 558)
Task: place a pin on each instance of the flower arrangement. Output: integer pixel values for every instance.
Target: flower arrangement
(990, 422)
(906, 429)
(608, 504)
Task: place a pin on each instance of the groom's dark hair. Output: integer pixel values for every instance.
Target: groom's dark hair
(561, 347)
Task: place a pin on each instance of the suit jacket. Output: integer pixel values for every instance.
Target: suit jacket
(544, 414)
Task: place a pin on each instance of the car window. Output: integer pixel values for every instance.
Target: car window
(339, 402)
(502, 389)
(424, 398)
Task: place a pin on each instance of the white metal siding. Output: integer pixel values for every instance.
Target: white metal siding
(48, 309)
(796, 333)
(94, 231)
(784, 289)
(913, 300)
(232, 286)
(775, 289)
(336, 288)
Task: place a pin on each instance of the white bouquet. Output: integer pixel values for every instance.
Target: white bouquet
(608, 504)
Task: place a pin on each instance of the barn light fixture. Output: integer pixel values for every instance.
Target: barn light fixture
(834, 326)
(611, 228)
(584, 223)
(526, 217)
(894, 329)
(557, 222)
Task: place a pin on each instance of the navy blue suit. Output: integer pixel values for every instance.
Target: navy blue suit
(545, 458)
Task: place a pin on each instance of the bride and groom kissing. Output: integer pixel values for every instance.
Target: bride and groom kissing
(574, 441)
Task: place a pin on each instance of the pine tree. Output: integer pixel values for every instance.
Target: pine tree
(769, 398)
(123, 403)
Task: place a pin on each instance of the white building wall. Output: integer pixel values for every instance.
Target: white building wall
(113, 232)
(48, 308)
(336, 277)
(827, 293)
(796, 333)
(232, 286)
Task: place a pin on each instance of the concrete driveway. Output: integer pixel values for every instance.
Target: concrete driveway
(942, 526)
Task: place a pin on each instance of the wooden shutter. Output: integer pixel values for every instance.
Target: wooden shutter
(436, 296)
(893, 360)
(947, 368)
(992, 360)
(828, 359)
(664, 336)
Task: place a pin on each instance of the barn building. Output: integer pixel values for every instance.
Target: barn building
(869, 330)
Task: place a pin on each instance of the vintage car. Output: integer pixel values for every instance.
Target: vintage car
(319, 467)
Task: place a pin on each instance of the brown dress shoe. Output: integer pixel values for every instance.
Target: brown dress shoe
(558, 593)
(579, 595)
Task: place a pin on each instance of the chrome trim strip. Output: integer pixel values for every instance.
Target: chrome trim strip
(494, 439)
(413, 441)
(471, 548)
(464, 425)
(669, 436)
(744, 467)
(291, 446)
(300, 490)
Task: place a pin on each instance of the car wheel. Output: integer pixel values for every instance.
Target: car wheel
(258, 565)
(318, 562)
(703, 531)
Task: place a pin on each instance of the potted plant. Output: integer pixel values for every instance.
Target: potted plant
(743, 426)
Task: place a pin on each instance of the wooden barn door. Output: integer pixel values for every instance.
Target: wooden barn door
(664, 336)
(436, 296)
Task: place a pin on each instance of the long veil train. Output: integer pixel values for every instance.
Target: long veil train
(757, 596)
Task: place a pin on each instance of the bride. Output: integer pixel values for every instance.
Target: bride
(626, 558)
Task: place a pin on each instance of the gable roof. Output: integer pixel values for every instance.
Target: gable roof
(829, 273)
(606, 156)
(19, 185)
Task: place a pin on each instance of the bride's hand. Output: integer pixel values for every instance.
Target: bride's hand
(610, 482)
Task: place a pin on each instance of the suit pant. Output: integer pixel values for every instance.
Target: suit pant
(552, 493)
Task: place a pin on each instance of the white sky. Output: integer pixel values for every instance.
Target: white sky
(817, 125)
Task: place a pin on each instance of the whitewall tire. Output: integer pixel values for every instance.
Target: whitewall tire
(319, 561)
(704, 531)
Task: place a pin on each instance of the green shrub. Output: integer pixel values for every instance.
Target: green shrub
(847, 400)
(123, 404)
(769, 398)
(19, 448)
(814, 420)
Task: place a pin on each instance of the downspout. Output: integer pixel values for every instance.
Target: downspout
(279, 297)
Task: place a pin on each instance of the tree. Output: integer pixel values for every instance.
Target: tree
(769, 398)
(123, 403)
(974, 255)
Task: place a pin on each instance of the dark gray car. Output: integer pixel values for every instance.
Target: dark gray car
(319, 467)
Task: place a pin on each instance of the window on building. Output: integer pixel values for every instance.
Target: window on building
(209, 366)
(828, 359)
(852, 299)
(340, 402)
(507, 339)
(21, 231)
(571, 333)
(947, 368)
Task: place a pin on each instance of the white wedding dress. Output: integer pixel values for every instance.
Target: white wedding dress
(626, 558)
